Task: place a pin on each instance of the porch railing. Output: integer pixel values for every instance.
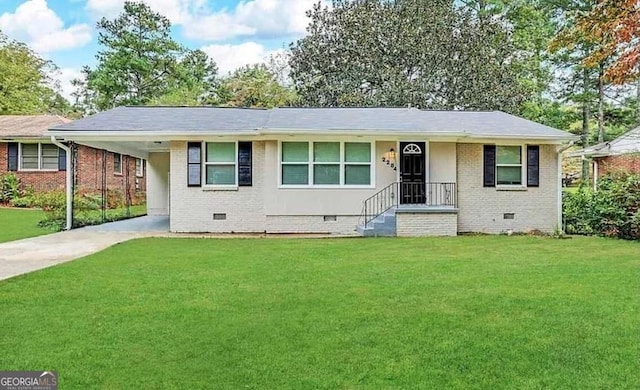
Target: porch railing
(409, 194)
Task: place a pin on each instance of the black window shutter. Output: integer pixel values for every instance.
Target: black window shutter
(194, 164)
(244, 164)
(62, 159)
(489, 165)
(533, 165)
(12, 156)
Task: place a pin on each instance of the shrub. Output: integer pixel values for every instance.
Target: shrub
(9, 187)
(612, 211)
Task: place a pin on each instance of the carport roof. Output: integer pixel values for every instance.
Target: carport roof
(361, 121)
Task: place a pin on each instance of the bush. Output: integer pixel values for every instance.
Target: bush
(9, 187)
(612, 211)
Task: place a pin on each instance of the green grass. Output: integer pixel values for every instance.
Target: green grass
(16, 224)
(468, 313)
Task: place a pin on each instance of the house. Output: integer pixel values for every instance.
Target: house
(387, 171)
(620, 154)
(26, 148)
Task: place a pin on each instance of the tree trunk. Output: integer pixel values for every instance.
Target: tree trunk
(601, 103)
(586, 113)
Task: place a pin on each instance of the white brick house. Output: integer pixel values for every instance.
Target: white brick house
(372, 171)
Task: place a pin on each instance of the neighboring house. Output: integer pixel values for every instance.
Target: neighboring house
(620, 154)
(26, 149)
(389, 171)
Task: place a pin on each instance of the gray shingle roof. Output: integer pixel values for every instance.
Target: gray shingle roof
(154, 119)
(293, 120)
(628, 142)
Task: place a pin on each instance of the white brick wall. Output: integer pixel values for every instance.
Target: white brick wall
(482, 209)
(426, 224)
(192, 208)
(343, 225)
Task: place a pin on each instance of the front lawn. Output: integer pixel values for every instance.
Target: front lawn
(469, 312)
(16, 224)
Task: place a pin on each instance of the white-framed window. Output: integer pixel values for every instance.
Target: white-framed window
(39, 157)
(117, 163)
(139, 167)
(220, 164)
(509, 165)
(323, 163)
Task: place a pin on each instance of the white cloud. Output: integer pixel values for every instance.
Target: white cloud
(256, 18)
(64, 76)
(178, 11)
(232, 57)
(38, 25)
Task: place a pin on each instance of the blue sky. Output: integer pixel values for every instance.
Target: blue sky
(232, 32)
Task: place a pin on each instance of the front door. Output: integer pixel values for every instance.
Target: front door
(412, 173)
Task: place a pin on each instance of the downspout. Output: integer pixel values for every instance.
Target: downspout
(67, 149)
(559, 199)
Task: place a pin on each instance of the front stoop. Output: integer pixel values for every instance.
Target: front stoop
(416, 221)
(413, 221)
(382, 225)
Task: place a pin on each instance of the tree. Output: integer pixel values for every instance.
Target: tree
(254, 86)
(195, 82)
(140, 60)
(429, 54)
(617, 24)
(26, 86)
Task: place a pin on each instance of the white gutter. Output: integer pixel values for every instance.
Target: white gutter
(559, 198)
(595, 175)
(67, 149)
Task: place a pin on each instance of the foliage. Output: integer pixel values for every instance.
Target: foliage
(613, 210)
(379, 53)
(87, 208)
(480, 312)
(254, 86)
(139, 60)
(9, 187)
(617, 24)
(26, 86)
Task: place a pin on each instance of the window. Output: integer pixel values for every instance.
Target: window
(39, 157)
(509, 165)
(117, 163)
(326, 163)
(220, 164)
(139, 167)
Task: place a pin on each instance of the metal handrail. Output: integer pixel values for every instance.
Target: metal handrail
(410, 193)
(380, 202)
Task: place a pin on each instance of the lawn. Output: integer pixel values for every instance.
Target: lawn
(468, 313)
(16, 224)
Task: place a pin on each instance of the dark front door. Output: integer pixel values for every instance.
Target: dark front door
(412, 173)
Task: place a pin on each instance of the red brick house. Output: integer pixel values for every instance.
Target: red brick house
(27, 150)
(620, 154)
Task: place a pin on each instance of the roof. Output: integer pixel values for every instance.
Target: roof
(29, 126)
(215, 120)
(628, 142)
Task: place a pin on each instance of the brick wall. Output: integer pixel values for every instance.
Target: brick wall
(418, 224)
(90, 170)
(88, 173)
(621, 163)
(39, 181)
(482, 209)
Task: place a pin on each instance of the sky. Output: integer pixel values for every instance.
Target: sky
(232, 32)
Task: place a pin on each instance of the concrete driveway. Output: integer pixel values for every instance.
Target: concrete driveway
(31, 254)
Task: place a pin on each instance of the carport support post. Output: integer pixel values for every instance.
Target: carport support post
(67, 149)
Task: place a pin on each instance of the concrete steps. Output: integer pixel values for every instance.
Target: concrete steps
(382, 225)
